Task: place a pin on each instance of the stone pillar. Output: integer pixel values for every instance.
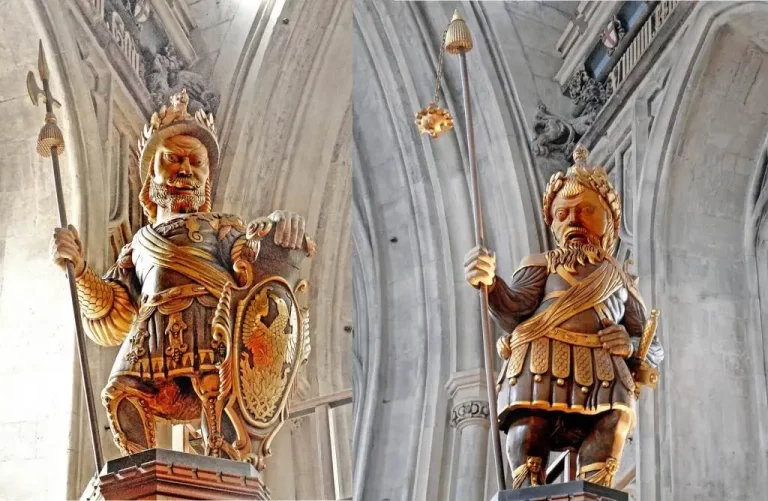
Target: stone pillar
(470, 418)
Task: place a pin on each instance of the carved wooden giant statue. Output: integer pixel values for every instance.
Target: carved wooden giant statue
(578, 343)
(203, 305)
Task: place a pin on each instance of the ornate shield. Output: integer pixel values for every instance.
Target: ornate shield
(268, 336)
(263, 337)
(612, 34)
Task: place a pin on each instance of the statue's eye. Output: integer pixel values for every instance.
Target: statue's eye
(171, 158)
(588, 210)
(561, 214)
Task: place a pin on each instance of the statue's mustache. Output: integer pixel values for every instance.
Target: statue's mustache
(185, 182)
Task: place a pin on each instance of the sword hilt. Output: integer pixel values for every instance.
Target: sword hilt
(645, 375)
(649, 332)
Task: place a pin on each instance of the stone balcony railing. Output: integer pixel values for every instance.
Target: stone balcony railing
(117, 29)
(642, 41)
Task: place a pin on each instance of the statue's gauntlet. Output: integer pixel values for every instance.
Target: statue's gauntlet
(106, 307)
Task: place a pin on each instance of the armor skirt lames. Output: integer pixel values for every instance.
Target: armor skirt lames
(169, 340)
(550, 374)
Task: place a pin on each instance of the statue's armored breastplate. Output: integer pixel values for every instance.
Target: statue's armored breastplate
(206, 236)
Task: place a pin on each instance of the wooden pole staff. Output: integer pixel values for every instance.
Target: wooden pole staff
(50, 143)
(459, 41)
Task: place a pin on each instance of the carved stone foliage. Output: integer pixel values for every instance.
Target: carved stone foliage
(588, 94)
(555, 137)
(145, 44)
(166, 74)
(472, 409)
(554, 134)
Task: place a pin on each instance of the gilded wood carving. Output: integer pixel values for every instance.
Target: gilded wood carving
(579, 344)
(202, 304)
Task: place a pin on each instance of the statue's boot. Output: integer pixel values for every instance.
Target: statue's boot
(600, 454)
(528, 450)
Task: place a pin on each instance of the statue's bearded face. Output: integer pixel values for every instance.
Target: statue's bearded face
(579, 216)
(181, 171)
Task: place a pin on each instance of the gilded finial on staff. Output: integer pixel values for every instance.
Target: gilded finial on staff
(50, 135)
(458, 39)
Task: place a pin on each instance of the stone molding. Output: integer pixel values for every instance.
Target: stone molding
(469, 412)
(467, 385)
(177, 22)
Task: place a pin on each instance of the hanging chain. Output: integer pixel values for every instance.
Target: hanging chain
(439, 75)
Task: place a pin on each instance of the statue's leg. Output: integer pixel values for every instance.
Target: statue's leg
(528, 449)
(207, 388)
(600, 454)
(130, 419)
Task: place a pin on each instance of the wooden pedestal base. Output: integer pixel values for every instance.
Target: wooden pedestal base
(164, 474)
(569, 491)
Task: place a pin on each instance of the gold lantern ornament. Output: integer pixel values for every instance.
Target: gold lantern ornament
(433, 119)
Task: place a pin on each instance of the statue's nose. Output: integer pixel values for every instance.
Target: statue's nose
(185, 169)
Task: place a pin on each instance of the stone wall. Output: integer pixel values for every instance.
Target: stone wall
(700, 167)
(35, 311)
(37, 339)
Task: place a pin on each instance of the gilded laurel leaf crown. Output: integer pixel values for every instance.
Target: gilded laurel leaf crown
(593, 178)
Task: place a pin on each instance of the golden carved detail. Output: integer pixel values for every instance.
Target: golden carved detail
(262, 380)
(561, 359)
(624, 375)
(605, 472)
(433, 120)
(516, 360)
(594, 178)
(531, 470)
(175, 333)
(582, 366)
(540, 356)
(107, 308)
(137, 350)
(603, 365)
(193, 229)
(575, 338)
(177, 114)
(243, 255)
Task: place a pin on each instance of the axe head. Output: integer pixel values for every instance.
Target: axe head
(36, 94)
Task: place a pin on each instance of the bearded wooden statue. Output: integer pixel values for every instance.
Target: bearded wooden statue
(202, 305)
(577, 344)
